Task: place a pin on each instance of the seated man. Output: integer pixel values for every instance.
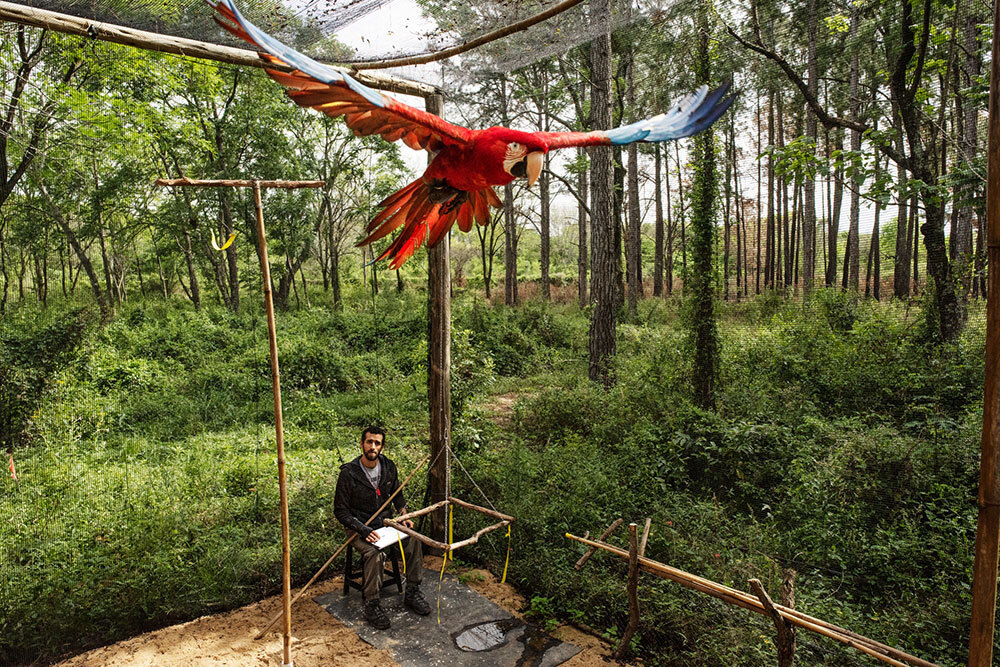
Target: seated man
(362, 487)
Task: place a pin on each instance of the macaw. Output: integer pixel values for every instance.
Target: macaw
(457, 185)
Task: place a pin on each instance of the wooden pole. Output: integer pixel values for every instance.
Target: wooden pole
(274, 619)
(984, 571)
(265, 268)
(786, 633)
(209, 183)
(590, 552)
(472, 43)
(152, 41)
(272, 338)
(633, 594)
(439, 365)
(885, 653)
(645, 536)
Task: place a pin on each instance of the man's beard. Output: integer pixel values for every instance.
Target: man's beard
(371, 455)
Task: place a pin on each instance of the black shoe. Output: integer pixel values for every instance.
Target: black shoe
(375, 615)
(414, 599)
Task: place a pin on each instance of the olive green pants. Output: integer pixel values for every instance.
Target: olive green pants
(374, 562)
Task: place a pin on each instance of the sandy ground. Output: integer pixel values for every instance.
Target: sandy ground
(318, 639)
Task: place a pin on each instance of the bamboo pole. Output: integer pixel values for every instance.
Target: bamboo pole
(740, 599)
(272, 338)
(152, 41)
(274, 619)
(984, 572)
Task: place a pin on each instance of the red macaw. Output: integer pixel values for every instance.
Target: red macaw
(458, 183)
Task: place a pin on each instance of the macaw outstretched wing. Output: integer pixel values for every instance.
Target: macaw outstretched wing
(694, 113)
(336, 93)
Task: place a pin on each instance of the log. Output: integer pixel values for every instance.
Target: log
(427, 510)
(152, 41)
(590, 552)
(475, 538)
(740, 599)
(483, 510)
(418, 536)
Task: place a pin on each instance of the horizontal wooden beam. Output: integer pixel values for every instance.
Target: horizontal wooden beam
(207, 183)
(181, 46)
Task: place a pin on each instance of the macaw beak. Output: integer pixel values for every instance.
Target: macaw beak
(534, 167)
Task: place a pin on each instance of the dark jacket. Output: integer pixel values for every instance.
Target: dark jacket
(355, 499)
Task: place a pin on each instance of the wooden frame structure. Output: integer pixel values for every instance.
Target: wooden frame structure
(448, 547)
(790, 616)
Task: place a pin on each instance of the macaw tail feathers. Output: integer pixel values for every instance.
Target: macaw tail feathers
(426, 210)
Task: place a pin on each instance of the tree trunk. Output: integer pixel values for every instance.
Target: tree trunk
(634, 238)
(602, 324)
(581, 221)
(669, 260)
(807, 220)
(658, 225)
(195, 291)
(543, 193)
(705, 333)
(510, 247)
(681, 215)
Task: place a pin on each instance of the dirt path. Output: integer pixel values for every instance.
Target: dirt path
(318, 639)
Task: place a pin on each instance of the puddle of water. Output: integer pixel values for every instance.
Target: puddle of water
(485, 636)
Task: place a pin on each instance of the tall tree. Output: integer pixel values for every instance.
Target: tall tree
(703, 192)
(603, 255)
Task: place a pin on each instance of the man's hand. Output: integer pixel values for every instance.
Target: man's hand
(408, 523)
(372, 537)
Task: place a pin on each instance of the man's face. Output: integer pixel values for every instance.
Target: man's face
(371, 446)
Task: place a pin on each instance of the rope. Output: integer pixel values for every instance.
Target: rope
(444, 562)
(402, 553)
(481, 492)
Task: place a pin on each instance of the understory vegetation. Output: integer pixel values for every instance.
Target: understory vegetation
(844, 446)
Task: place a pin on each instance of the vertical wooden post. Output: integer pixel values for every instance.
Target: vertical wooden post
(265, 268)
(439, 364)
(984, 573)
(633, 594)
(645, 536)
(786, 635)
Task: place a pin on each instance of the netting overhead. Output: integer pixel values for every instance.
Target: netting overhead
(362, 31)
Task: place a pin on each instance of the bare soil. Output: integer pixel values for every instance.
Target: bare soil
(318, 639)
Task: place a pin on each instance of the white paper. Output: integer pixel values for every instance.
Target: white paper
(388, 535)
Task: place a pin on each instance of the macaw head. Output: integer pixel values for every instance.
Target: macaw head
(521, 154)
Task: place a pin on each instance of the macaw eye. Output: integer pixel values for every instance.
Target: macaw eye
(515, 153)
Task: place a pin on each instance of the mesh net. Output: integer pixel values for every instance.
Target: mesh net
(837, 450)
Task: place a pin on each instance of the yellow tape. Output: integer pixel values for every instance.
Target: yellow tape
(450, 555)
(401, 552)
(444, 561)
(225, 245)
(503, 579)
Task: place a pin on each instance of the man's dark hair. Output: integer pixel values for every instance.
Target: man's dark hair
(374, 430)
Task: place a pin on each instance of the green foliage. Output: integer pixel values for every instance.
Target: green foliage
(843, 445)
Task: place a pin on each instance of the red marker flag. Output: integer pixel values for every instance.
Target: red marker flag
(13, 473)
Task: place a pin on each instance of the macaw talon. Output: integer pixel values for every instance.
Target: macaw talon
(229, 241)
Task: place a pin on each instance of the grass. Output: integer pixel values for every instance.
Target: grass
(844, 446)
